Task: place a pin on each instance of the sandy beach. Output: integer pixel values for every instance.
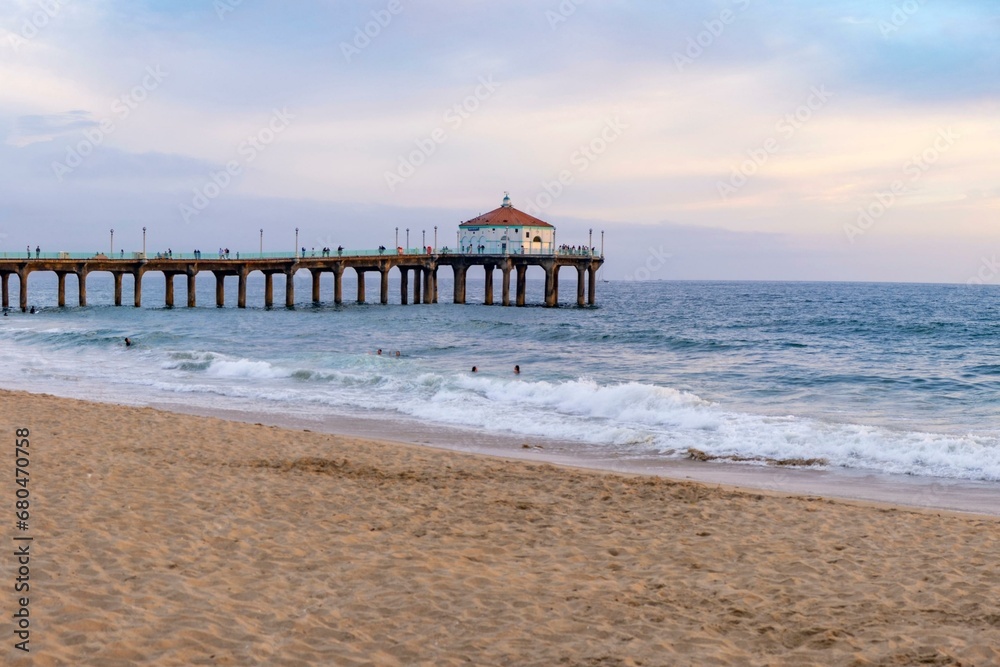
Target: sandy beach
(173, 539)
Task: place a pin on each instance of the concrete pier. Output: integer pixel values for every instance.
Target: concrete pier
(422, 267)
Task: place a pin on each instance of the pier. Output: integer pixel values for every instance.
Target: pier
(418, 274)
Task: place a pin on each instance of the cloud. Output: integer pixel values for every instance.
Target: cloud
(560, 82)
(36, 128)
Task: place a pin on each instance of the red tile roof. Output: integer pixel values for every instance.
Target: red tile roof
(505, 216)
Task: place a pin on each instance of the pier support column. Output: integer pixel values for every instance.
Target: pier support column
(488, 300)
(191, 294)
(434, 281)
(169, 296)
(550, 286)
(416, 286)
(290, 288)
(5, 278)
(428, 286)
(361, 285)
(338, 288)
(81, 278)
(118, 288)
(137, 288)
(268, 290)
(315, 278)
(404, 285)
(22, 277)
(61, 299)
(581, 273)
(384, 288)
(460, 272)
(522, 283)
(506, 285)
(241, 297)
(592, 291)
(220, 290)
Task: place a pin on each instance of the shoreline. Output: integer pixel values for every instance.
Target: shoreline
(843, 484)
(171, 539)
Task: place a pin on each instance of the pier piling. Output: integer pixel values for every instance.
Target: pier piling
(290, 288)
(168, 298)
(81, 277)
(268, 289)
(61, 289)
(118, 287)
(315, 285)
(241, 298)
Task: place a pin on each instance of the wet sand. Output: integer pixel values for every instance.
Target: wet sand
(172, 539)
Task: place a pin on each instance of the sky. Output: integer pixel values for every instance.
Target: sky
(708, 140)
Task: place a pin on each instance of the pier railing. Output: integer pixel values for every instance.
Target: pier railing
(289, 254)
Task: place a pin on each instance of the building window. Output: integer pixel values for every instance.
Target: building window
(537, 239)
(527, 235)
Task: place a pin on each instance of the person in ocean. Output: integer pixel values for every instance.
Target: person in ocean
(517, 370)
(475, 370)
(128, 342)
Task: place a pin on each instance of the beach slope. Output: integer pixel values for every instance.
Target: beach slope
(178, 540)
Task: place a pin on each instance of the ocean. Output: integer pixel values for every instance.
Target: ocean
(891, 378)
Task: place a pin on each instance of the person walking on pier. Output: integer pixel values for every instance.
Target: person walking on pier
(29, 252)
(38, 252)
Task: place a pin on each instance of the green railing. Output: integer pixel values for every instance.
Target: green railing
(234, 255)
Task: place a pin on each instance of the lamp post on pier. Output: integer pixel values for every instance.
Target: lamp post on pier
(407, 239)
(112, 253)
(423, 240)
(590, 241)
(397, 237)
(144, 243)
(296, 242)
(435, 238)
(262, 243)
(602, 243)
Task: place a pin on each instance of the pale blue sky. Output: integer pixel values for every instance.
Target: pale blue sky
(744, 139)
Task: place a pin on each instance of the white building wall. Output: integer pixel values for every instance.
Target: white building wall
(503, 240)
